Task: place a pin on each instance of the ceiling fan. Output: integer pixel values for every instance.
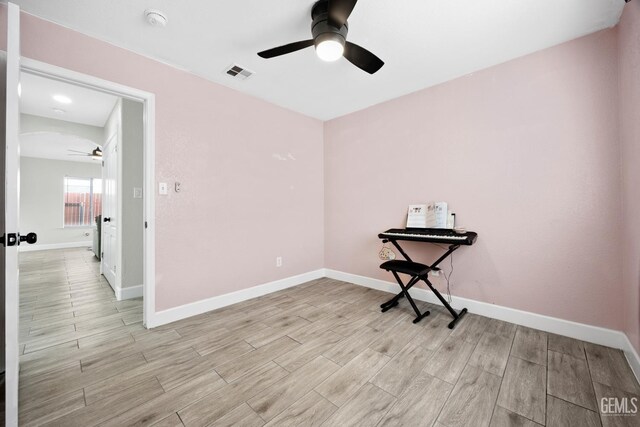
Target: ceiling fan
(329, 30)
(95, 154)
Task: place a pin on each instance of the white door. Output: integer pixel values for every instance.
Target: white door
(110, 210)
(10, 161)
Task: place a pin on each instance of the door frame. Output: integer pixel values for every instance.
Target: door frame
(11, 215)
(43, 69)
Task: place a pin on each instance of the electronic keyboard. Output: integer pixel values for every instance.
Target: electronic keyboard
(430, 235)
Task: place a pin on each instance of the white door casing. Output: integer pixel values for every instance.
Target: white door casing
(11, 122)
(110, 211)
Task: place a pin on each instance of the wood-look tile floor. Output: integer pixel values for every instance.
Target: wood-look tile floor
(317, 354)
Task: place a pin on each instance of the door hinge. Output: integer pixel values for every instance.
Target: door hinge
(146, 225)
(10, 239)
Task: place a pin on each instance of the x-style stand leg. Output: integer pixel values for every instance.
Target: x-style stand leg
(405, 292)
(415, 279)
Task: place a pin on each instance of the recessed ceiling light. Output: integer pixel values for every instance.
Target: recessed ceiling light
(58, 111)
(62, 99)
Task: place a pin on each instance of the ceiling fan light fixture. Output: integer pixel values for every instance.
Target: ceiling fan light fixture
(329, 29)
(330, 46)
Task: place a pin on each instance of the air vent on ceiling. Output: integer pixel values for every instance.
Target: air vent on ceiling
(238, 72)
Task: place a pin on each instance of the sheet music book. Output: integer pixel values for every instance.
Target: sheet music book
(429, 215)
(421, 216)
(441, 215)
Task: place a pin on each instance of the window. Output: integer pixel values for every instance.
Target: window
(82, 201)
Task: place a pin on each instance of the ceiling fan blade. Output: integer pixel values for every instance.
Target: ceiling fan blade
(283, 50)
(339, 11)
(362, 58)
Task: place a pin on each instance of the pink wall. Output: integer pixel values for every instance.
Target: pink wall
(629, 48)
(239, 207)
(526, 153)
(534, 144)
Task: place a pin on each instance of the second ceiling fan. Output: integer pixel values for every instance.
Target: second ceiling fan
(329, 30)
(95, 154)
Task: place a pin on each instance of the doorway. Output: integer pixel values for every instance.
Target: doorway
(81, 180)
(81, 192)
(127, 181)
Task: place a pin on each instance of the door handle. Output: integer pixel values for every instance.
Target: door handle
(107, 219)
(30, 238)
(8, 239)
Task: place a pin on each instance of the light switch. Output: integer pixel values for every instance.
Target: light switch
(137, 193)
(162, 188)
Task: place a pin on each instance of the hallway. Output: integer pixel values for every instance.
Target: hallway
(64, 301)
(65, 306)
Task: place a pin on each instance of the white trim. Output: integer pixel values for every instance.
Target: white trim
(119, 262)
(11, 214)
(593, 334)
(129, 292)
(149, 210)
(49, 246)
(632, 355)
(54, 72)
(148, 99)
(199, 307)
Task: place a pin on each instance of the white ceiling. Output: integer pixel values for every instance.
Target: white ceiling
(56, 146)
(78, 128)
(423, 42)
(88, 107)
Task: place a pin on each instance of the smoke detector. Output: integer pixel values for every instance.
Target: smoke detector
(156, 17)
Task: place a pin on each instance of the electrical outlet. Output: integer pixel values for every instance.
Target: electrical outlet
(279, 261)
(435, 273)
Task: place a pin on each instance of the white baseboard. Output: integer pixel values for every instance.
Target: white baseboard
(128, 293)
(593, 334)
(632, 356)
(49, 246)
(199, 307)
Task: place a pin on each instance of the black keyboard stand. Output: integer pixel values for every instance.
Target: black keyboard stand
(417, 272)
